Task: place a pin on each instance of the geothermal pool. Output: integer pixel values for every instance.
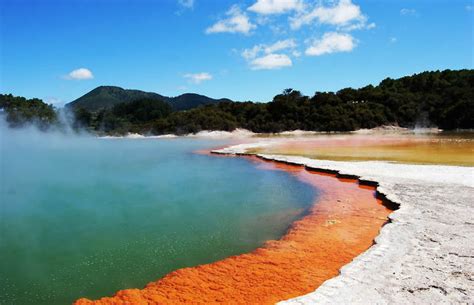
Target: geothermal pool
(342, 223)
(82, 217)
(85, 217)
(447, 148)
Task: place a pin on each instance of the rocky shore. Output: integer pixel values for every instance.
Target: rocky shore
(424, 255)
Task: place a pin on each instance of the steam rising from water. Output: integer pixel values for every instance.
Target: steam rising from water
(82, 216)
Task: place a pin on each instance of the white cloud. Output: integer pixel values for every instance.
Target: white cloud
(80, 74)
(359, 26)
(345, 15)
(236, 22)
(263, 56)
(331, 43)
(469, 8)
(268, 7)
(197, 78)
(340, 16)
(393, 39)
(281, 45)
(271, 62)
(186, 3)
(252, 53)
(268, 49)
(407, 12)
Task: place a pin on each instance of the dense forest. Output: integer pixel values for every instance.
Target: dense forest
(443, 99)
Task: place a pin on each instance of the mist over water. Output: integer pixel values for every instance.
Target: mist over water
(83, 217)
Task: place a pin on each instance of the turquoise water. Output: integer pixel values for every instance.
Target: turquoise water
(84, 217)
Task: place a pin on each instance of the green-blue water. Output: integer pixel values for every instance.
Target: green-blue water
(84, 217)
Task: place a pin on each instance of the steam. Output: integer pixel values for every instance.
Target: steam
(423, 124)
(64, 127)
(31, 135)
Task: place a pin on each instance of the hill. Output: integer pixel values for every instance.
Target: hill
(191, 100)
(109, 96)
(105, 97)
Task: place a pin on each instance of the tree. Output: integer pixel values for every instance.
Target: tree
(20, 111)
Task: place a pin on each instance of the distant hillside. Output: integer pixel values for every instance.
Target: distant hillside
(109, 96)
(192, 100)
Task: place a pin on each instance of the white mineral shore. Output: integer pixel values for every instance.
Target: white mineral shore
(424, 255)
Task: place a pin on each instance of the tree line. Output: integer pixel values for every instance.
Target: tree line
(443, 99)
(20, 112)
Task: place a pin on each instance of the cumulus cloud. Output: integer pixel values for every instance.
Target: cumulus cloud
(271, 62)
(267, 49)
(236, 22)
(263, 56)
(197, 78)
(345, 15)
(281, 45)
(186, 3)
(79, 74)
(339, 17)
(331, 43)
(268, 7)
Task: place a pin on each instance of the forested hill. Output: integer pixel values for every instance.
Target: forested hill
(192, 100)
(109, 96)
(443, 99)
(105, 97)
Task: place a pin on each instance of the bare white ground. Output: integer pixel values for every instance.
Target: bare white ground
(425, 255)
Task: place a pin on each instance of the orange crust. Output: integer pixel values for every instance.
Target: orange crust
(339, 226)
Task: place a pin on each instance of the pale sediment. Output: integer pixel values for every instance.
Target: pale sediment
(424, 255)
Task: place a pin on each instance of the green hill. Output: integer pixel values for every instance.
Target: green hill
(191, 100)
(105, 97)
(109, 96)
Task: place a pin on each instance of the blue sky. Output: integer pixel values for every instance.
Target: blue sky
(58, 50)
